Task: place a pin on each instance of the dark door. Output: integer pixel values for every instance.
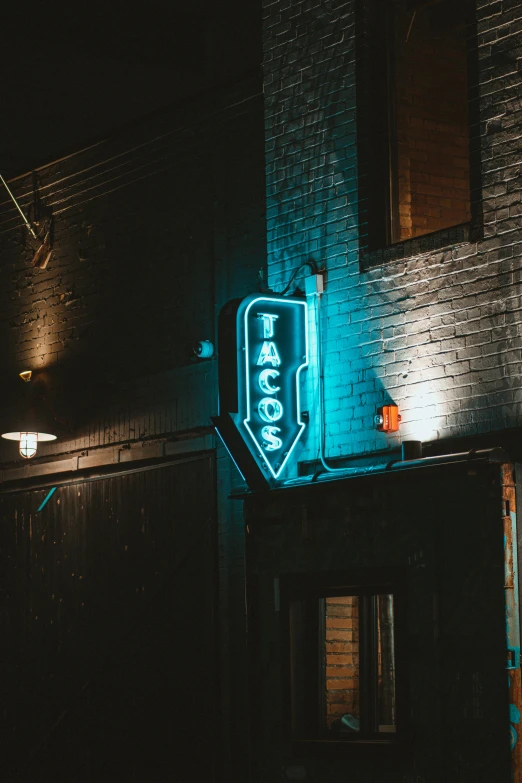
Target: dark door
(108, 652)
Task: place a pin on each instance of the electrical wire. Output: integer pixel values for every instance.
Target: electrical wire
(322, 428)
(310, 264)
(122, 177)
(161, 141)
(17, 205)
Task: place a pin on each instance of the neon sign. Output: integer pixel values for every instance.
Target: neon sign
(271, 353)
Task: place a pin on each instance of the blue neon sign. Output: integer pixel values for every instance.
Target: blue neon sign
(271, 354)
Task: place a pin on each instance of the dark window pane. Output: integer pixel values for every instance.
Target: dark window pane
(385, 664)
(431, 118)
(342, 664)
(304, 655)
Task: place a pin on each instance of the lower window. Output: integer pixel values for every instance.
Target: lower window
(341, 672)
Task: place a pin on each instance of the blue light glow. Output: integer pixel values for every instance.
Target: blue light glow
(264, 377)
(283, 320)
(268, 324)
(271, 441)
(269, 354)
(229, 454)
(46, 499)
(270, 410)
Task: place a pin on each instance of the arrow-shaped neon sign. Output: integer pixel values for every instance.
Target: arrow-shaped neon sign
(274, 343)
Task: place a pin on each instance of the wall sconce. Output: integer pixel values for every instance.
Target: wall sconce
(35, 423)
(387, 418)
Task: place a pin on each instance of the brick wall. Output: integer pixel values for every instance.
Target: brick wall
(342, 657)
(154, 230)
(437, 332)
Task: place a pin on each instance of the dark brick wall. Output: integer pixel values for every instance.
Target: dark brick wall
(154, 230)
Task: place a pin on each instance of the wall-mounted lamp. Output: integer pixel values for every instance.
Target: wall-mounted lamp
(387, 418)
(34, 424)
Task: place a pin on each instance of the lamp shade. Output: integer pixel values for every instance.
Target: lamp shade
(18, 435)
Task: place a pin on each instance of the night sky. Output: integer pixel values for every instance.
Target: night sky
(77, 72)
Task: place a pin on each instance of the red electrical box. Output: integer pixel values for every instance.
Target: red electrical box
(388, 418)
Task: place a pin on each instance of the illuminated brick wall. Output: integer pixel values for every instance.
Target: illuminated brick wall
(436, 329)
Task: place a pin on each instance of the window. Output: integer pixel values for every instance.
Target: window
(413, 121)
(341, 667)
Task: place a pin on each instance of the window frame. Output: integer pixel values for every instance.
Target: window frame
(377, 148)
(312, 587)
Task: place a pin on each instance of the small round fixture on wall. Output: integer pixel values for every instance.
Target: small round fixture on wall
(204, 349)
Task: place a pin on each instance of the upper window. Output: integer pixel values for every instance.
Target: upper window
(414, 160)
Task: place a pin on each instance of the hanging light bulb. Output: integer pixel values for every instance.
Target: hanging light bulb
(28, 444)
(34, 418)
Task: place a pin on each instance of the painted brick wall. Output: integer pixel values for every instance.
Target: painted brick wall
(439, 332)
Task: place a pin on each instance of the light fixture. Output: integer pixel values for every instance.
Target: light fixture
(33, 422)
(28, 441)
(387, 418)
(204, 349)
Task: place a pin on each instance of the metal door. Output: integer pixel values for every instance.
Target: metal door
(108, 654)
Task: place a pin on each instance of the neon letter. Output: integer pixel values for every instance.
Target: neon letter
(272, 442)
(264, 381)
(270, 409)
(269, 354)
(268, 324)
